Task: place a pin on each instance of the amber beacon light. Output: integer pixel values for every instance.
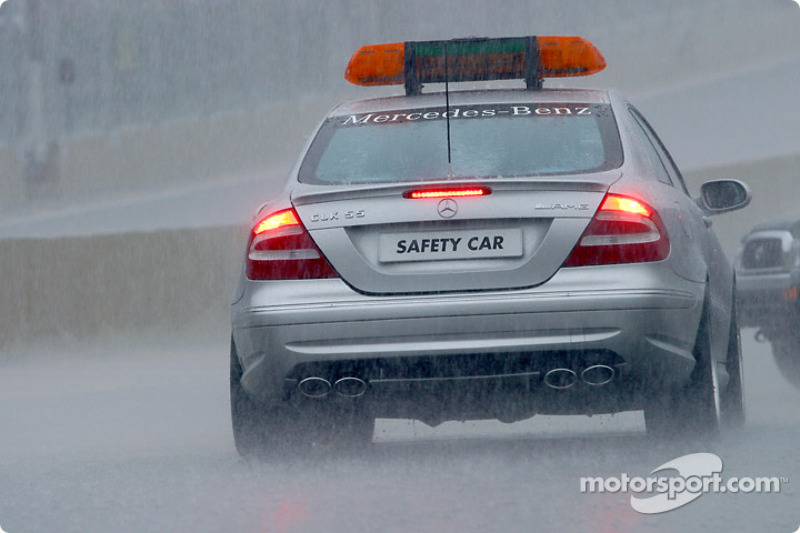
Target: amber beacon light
(475, 59)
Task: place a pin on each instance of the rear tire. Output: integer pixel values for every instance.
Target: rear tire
(259, 432)
(256, 430)
(695, 409)
(732, 408)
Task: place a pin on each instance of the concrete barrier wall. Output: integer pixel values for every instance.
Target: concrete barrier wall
(86, 286)
(182, 280)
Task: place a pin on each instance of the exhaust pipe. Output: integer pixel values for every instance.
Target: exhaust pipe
(597, 375)
(350, 387)
(314, 387)
(560, 378)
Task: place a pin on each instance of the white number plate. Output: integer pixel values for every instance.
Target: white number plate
(442, 245)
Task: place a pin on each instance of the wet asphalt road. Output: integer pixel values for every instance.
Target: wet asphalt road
(132, 435)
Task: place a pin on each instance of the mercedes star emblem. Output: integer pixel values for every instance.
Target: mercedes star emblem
(448, 208)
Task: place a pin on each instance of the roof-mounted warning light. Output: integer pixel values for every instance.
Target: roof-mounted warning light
(474, 59)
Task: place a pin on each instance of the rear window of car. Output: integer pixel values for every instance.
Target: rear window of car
(486, 141)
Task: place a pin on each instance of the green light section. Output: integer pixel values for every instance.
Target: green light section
(465, 47)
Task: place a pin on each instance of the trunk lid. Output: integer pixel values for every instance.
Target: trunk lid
(516, 236)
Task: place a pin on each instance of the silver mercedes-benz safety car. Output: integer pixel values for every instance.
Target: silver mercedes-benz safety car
(483, 254)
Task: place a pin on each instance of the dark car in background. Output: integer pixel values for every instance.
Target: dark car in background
(768, 275)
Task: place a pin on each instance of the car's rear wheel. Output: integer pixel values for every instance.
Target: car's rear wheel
(255, 429)
(259, 432)
(786, 352)
(695, 409)
(732, 408)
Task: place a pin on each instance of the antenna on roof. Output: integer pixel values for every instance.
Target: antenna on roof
(447, 109)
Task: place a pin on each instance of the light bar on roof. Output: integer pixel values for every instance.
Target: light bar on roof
(475, 59)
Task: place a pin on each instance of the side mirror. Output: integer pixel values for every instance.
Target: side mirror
(722, 196)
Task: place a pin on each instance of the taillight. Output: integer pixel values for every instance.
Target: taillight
(624, 230)
(281, 248)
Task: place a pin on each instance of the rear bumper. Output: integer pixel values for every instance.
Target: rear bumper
(643, 324)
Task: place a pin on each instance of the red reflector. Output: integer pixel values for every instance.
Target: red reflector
(447, 193)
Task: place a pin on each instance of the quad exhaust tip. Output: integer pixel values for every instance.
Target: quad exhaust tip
(350, 387)
(594, 376)
(314, 387)
(317, 387)
(560, 378)
(597, 375)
